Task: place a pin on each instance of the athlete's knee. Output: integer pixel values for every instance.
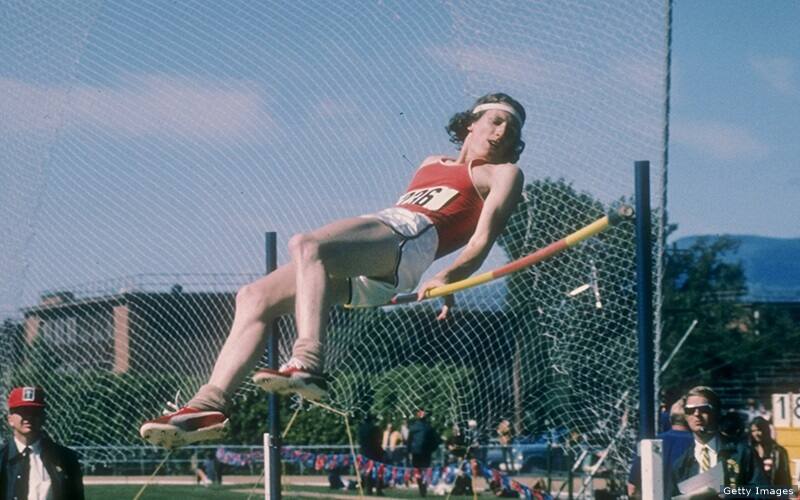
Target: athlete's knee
(252, 297)
(256, 303)
(304, 248)
(246, 296)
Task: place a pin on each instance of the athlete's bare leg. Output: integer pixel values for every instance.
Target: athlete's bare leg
(346, 248)
(317, 278)
(351, 247)
(205, 416)
(258, 304)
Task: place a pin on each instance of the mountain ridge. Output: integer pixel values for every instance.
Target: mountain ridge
(771, 265)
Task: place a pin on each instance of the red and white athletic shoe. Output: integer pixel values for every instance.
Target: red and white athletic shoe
(293, 377)
(184, 426)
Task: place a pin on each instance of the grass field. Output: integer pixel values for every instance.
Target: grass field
(238, 492)
(163, 492)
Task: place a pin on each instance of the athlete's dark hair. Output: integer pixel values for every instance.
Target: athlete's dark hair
(457, 128)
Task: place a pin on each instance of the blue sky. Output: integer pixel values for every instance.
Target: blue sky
(154, 137)
(734, 154)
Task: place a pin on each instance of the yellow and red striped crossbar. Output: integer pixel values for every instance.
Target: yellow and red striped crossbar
(596, 227)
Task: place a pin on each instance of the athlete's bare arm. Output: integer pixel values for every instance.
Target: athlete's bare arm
(505, 187)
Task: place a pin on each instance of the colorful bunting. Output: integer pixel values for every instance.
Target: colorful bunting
(396, 474)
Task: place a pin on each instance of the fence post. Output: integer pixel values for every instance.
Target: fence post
(272, 443)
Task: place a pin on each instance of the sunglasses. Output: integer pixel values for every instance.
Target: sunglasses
(704, 408)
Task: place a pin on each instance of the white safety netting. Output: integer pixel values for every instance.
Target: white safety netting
(145, 148)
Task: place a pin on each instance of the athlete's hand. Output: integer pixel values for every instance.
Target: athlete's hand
(449, 303)
(449, 300)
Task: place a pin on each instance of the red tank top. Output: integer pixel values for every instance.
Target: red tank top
(446, 195)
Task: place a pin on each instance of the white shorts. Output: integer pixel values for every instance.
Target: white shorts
(416, 253)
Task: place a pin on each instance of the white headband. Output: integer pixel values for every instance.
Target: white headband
(501, 106)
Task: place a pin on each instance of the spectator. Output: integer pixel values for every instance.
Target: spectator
(476, 442)
(387, 432)
(703, 411)
(31, 464)
(504, 437)
(392, 444)
(397, 446)
(664, 421)
(731, 428)
(212, 468)
(771, 457)
(423, 441)
(335, 480)
(369, 440)
(455, 445)
(675, 442)
(404, 430)
(753, 409)
(200, 476)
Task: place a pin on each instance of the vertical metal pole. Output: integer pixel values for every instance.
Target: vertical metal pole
(549, 460)
(644, 300)
(274, 441)
(569, 484)
(652, 471)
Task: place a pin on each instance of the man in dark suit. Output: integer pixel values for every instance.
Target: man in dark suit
(423, 442)
(674, 443)
(31, 464)
(369, 439)
(703, 411)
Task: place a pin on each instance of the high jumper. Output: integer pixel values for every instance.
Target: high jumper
(450, 204)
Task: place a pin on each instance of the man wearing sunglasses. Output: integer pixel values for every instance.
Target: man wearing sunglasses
(703, 410)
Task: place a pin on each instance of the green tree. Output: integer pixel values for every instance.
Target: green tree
(573, 360)
(392, 361)
(705, 282)
(312, 425)
(438, 390)
(700, 283)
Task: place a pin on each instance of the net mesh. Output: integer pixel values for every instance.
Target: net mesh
(146, 147)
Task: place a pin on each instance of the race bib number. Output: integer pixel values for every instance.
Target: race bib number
(432, 198)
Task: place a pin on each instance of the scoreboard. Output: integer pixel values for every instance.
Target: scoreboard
(786, 420)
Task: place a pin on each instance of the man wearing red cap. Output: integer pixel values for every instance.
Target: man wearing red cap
(32, 466)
